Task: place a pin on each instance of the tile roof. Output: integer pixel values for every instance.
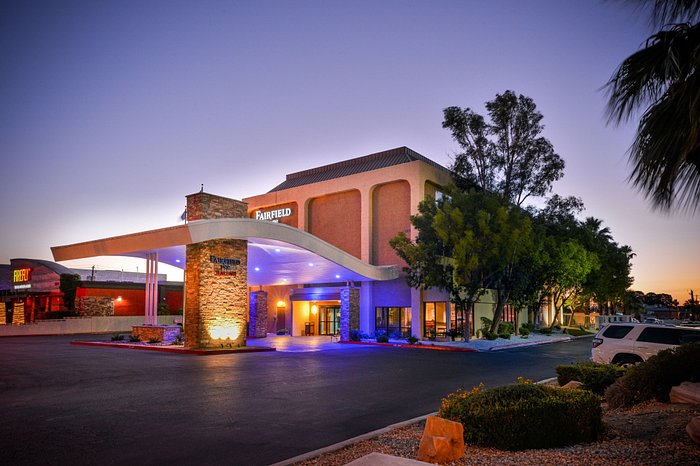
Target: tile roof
(353, 166)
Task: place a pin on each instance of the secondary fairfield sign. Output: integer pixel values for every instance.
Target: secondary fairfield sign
(273, 215)
(224, 266)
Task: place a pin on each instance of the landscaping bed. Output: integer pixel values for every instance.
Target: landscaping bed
(652, 433)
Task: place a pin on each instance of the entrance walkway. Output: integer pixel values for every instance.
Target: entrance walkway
(290, 344)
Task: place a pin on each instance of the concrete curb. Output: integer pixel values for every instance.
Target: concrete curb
(170, 349)
(345, 443)
(534, 343)
(405, 345)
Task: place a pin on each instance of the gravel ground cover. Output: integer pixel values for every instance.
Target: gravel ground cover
(649, 434)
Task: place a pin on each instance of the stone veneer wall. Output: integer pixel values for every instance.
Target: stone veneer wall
(164, 333)
(349, 311)
(91, 306)
(216, 304)
(258, 314)
(203, 205)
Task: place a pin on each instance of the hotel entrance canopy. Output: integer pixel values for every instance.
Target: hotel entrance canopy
(277, 254)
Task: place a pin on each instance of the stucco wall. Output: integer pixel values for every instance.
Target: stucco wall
(336, 219)
(391, 209)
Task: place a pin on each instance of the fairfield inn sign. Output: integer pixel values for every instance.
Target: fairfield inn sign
(273, 215)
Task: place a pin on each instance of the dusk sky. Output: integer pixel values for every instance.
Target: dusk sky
(112, 112)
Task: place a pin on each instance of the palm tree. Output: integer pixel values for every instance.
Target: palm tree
(663, 80)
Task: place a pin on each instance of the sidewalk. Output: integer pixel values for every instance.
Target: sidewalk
(479, 345)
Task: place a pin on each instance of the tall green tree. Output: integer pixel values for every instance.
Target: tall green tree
(507, 156)
(69, 285)
(569, 265)
(607, 284)
(432, 264)
(467, 243)
(662, 80)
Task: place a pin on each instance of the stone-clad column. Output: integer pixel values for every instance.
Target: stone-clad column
(217, 287)
(258, 314)
(349, 311)
(216, 279)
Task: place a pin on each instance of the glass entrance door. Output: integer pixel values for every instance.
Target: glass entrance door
(329, 320)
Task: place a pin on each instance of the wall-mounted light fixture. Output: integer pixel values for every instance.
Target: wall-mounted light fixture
(119, 298)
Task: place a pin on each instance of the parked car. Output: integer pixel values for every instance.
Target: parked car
(653, 320)
(627, 344)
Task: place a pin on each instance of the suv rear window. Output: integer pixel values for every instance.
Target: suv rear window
(617, 331)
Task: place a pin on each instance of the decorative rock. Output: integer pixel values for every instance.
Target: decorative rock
(687, 392)
(574, 384)
(693, 429)
(442, 441)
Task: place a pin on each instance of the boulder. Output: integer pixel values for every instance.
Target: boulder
(575, 384)
(442, 441)
(693, 429)
(687, 392)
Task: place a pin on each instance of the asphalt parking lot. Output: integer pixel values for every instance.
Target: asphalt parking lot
(62, 403)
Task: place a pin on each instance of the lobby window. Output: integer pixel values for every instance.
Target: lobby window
(459, 318)
(434, 318)
(395, 321)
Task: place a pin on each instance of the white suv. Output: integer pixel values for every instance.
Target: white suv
(627, 343)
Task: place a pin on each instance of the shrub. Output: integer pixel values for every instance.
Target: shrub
(163, 309)
(524, 332)
(528, 325)
(505, 336)
(490, 335)
(284, 331)
(134, 338)
(154, 340)
(396, 335)
(505, 327)
(354, 335)
(117, 337)
(179, 340)
(381, 336)
(412, 340)
(523, 416)
(594, 377)
(654, 378)
(546, 331)
(576, 332)
(453, 333)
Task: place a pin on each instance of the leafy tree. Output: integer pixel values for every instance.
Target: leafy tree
(431, 264)
(467, 243)
(607, 284)
(663, 81)
(507, 156)
(69, 285)
(568, 267)
(632, 303)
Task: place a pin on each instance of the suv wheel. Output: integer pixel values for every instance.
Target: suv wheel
(626, 360)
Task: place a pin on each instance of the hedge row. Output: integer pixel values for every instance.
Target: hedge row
(594, 377)
(523, 416)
